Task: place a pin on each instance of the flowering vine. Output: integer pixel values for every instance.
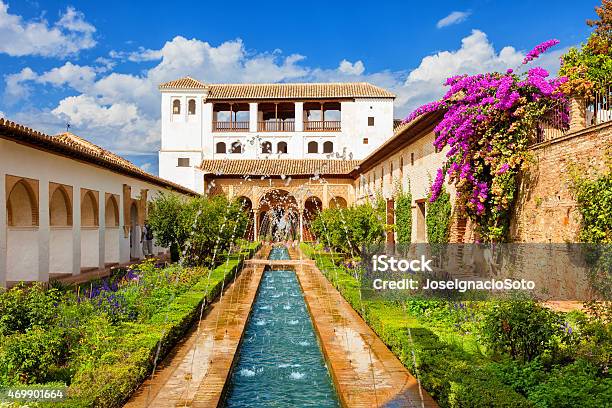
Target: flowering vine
(488, 122)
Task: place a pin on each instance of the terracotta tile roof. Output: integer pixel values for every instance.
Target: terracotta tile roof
(77, 148)
(282, 91)
(287, 167)
(183, 83)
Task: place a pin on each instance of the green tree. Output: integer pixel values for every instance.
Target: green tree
(197, 227)
(589, 67)
(348, 229)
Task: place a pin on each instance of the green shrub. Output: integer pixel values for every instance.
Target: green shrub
(573, 385)
(520, 327)
(23, 307)
(28, 357)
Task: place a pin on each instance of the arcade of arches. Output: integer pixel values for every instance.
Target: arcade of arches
(284, 209)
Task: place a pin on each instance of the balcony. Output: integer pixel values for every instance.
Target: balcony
(225, 126)
(322, 126)
(276, 126)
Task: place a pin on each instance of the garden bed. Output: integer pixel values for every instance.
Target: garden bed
(458, 371)
(102, 339)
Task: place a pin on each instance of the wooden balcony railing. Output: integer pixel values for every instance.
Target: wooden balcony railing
(276, 126)
(230, 126)
(322, 125)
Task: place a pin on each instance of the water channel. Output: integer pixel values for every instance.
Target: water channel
(280, 363)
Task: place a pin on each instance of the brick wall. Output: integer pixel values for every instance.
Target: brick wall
(546, 210)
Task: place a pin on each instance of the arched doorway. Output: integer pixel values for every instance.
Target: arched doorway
(278, 216)
(337, 202)
(60, 234)
(90, 237)
(312, 206)
(22, 231)
(111, 230)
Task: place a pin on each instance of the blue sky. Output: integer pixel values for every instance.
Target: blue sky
(97, 67)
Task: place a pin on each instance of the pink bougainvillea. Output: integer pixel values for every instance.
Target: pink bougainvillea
(488, 122)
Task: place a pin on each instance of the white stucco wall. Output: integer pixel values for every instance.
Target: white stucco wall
(31, 253)
(112, 242)
(22, 254)
(60, 250)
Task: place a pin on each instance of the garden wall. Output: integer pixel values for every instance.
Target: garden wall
(545, 210)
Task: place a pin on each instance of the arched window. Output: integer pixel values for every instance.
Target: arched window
(266, 147)
(313, 147)
(111, 211)
(22, 206)
(191, 106)
(221, 148)
(176, 107)
(281, 147)
(89, 210)
(236, 147)
(328, 147)
(60, 211)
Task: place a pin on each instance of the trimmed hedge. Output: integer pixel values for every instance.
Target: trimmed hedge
(454, 374)
(121, 371)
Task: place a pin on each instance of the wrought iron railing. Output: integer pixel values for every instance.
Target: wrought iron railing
(554, 124)
(599, 106)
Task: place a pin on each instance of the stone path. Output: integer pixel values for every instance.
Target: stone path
(194, 374)
(365, 371)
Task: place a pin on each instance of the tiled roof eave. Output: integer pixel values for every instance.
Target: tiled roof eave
(23, 135)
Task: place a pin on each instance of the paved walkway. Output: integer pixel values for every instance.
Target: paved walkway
(366, 372)
(194, 374)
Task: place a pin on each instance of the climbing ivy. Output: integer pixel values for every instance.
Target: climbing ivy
(438, 218)
(403, 215)
(594, 200)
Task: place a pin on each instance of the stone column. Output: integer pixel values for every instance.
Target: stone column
(299, 116)
(44, 230)
(76, 229)
(255, 219)
(124, 245)
(253, 117)
(3, 230)
(577, 114)
(101, 229)
(325, 198)
(301, 225)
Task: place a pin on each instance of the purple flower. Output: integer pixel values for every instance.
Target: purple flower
(504, 168)
(539, 49)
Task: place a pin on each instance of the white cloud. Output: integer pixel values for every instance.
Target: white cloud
(141, 55)
(146, 166)
(475, 55)
(70, 34)
(455, 17)
(2, 115)
(121, 111)
(77, 77)
(356, 68)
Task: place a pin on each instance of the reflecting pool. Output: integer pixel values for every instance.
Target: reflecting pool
(280, 363)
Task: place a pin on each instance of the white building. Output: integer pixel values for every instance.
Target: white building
(267, 121)
(71, 206)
